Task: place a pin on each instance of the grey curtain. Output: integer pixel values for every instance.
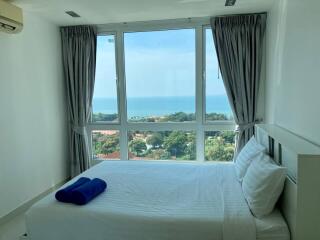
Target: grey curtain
(239, 44)
(79, 61)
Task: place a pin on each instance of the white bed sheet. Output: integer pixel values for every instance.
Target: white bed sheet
(151, 201)
(272, 227)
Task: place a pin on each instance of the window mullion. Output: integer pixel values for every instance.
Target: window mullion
(199, 94)
(122, 96)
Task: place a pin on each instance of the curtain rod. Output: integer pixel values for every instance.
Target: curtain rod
(240, 14)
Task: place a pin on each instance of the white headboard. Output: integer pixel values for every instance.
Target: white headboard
(300, 201)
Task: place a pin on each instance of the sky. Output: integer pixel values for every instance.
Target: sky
(159, 63)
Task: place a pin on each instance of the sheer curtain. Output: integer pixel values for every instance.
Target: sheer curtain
(79, 61)
(239, 45)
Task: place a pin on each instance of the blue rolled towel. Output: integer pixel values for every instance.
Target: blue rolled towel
(64, 195)
(88, 191)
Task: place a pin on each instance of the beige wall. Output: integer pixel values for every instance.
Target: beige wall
(33, 145)
(293, 67)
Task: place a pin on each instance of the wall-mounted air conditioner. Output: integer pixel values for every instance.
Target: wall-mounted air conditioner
(11, 20)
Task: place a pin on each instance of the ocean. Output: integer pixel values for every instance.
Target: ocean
(159, 106)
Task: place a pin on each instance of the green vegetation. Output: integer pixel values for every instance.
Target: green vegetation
(219, 146)
(175, 117)
(138, 146)
(178, 145)
(216, 117)
(103, 117)
(179, 117)
(155, 140)
(105, 144)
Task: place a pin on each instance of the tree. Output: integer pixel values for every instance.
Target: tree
(103, 117)
(110, 145)
(218, 150)
(155, 140)
(105, 143)
(216, 116)
(190, 151)
(137, 146)
(157, 154)
(228, 136)
(180, 117)
(176, 143)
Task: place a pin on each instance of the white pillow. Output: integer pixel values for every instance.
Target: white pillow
(245, 156)
(263, 184)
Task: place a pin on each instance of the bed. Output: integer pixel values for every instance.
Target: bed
(157, 200)
(172, 200)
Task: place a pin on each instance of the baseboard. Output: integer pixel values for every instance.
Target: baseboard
(25, 206)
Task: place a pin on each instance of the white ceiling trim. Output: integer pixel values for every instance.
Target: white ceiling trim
(119, 11)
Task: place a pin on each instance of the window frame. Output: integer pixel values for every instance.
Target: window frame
(200, 125)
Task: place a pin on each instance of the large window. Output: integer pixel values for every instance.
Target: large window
(159, 96)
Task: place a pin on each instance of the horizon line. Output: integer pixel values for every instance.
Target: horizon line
(164, 96)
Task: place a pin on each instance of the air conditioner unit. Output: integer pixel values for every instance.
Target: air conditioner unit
(10, 18)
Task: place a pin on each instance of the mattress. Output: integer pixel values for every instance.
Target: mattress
(272, 227)
(152, 200)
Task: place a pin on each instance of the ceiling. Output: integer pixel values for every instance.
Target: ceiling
(117, 11)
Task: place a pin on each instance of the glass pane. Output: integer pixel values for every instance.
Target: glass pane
(160, 75)
(104, 103)
(217, 104)
(219, 145)
(165, 145)
(105, 144)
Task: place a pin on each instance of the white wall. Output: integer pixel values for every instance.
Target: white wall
(293, 67)
(33, 145)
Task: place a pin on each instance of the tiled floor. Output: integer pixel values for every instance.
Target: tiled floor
(13, 229)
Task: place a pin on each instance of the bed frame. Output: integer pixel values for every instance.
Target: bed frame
(300, 201)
